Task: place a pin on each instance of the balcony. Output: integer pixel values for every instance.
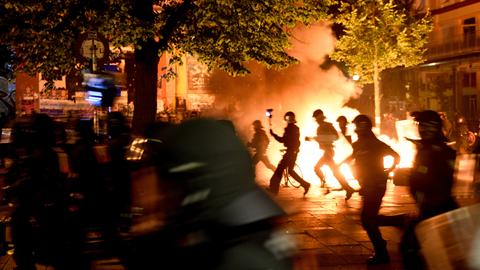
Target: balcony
(456, 47)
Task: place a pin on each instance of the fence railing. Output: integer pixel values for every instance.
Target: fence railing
(453, 48)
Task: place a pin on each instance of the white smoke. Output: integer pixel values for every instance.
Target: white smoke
(301, 88)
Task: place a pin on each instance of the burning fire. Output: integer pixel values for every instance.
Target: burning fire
(310, 153)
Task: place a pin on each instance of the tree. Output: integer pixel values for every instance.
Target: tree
(222, 34)
(378, 35)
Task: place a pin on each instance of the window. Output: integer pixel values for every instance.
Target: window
(470, 79)
(469, 31)
(470, 105)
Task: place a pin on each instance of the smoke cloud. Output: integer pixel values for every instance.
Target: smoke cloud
(301, 88)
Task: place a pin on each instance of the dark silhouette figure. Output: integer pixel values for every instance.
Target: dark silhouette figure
(92, 184)
(326, 135)
(90, 180)
(19, 192)
(260, 143)
(342, 123)
(213, 215)
(291, 140)
(368, 154)
(37, 189)
(431, 181)
(119, 172)
(118, 184)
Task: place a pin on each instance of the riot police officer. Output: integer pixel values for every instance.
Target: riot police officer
(431, 180)
(291, 140)
(368, 154)
(326, 135)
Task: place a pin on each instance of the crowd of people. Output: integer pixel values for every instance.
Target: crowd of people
(431, 178)
(326, 135)
(58, 192)
(192, 192)
(72, 203)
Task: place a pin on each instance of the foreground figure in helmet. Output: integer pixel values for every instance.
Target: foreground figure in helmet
(431, 181)
(291, 140)
(211, 214)
(368, 154)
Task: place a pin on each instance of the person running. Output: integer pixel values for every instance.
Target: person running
(260, 143)
(326, 135)
(368, 153)
(342, 123)
(291, 140)
(431, 181)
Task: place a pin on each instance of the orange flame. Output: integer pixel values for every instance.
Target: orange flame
(310, 153)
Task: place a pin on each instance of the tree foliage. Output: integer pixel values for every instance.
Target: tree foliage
(379, 33)
(221, 33)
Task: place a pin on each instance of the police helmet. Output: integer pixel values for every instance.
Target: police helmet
(290, 117)
(318, 113)
(257, 124)
(430, 124)
(362, 123)
(428, 116)
(199, 155)
(342, 118)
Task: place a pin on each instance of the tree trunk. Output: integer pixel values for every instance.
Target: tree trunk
(376, 90)
(145, 85)
(145, 72)
(377, 96)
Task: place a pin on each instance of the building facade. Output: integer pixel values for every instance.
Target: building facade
(449, 80)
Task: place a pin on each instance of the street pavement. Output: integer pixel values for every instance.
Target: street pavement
(327, 228)
(329, 232)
